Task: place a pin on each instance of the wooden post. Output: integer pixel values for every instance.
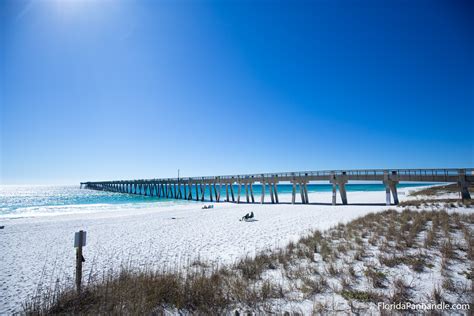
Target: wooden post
(79, 242)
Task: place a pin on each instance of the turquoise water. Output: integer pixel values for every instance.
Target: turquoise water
(24, 201)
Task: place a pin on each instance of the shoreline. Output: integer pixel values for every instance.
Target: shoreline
(152, 205)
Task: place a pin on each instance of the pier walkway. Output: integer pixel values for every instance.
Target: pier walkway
(194, 188)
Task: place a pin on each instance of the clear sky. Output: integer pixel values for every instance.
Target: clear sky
(97, 90)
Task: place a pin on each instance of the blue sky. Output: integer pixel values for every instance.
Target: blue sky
(96, 90)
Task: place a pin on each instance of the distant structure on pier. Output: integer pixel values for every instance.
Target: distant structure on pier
(183, 188)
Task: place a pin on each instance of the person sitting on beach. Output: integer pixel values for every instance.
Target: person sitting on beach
(246, 217)
(204, 207)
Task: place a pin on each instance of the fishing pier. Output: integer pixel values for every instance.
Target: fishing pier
(195, 188)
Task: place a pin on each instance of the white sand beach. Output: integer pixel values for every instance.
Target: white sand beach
(40, 249)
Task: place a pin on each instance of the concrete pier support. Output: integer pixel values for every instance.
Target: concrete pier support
(390, 180)
(262, 196)
(465, 195)
(232, 191)
(239, 188)
(275, 191)
(334, 193)
(251, 192)
(387, 195)
(210, 192)
(393, 188)
(227, 192)
(203, 191)
(190, 190)
(342, 191)
(341, 181)
(302, 193)
(463, 185)
(197, 191)
(216, 192)
(293, 192)
(305, 186)
(270, 185)
(247, 192)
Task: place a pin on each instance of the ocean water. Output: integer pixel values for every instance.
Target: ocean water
(32, 201)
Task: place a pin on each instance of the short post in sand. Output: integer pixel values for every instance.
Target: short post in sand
(79, 242)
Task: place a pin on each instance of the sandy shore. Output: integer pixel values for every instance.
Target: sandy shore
(41, 249)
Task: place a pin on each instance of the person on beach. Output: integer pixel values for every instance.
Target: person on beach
(247, 216)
